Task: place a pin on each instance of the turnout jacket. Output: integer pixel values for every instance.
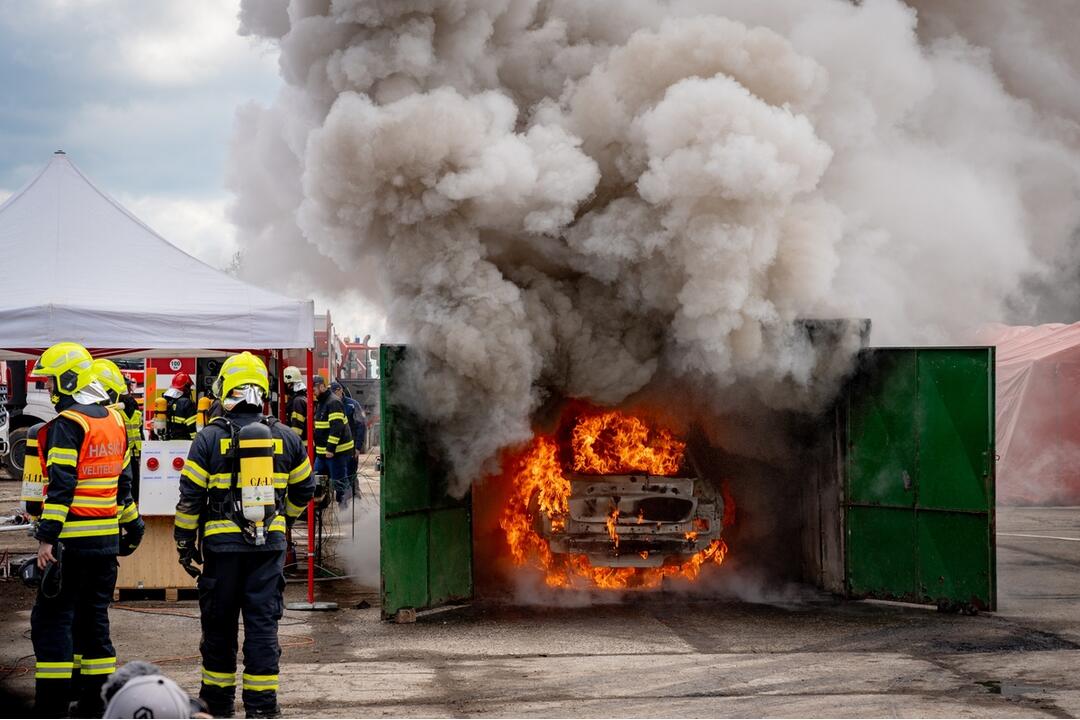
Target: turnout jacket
(206, 486)
(87, 463)
(298, 414)
(180, 416)
(133, 420)
(332, 432)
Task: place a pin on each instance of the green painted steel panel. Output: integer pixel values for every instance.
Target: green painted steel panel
(876, 568)
(955, 429)
(403, 562)
(956, 561)
(426, 552)
(881, 435)
(929, 414)
(450, 569)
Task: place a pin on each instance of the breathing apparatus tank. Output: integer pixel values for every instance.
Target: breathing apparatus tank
(256, 476)
(204, 408)
(160, 405)
(33, 479)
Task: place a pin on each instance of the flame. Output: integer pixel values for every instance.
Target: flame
(608, 443)
(612, 443)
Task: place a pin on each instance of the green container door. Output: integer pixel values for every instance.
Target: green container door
(425, 535)
(919, 477)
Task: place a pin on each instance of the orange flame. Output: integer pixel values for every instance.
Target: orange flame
(612, 443)
(608, 443)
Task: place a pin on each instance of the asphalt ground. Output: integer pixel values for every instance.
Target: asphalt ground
(787, 653)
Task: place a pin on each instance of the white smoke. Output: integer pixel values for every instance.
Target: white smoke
(588, 198)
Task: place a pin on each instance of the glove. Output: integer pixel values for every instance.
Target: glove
(189, 557)
(131, 534)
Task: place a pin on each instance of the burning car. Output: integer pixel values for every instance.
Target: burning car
(619, 508)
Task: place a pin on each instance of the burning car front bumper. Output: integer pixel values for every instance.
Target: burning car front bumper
(635, 520)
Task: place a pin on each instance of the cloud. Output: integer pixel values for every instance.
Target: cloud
(199, 227)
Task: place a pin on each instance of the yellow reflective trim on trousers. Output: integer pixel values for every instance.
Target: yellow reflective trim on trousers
(89, 528)
(260, 683)
(218, 679)
(220, 527)
(49, 670)
(97, 666)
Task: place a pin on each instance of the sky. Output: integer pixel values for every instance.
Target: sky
(141, 95)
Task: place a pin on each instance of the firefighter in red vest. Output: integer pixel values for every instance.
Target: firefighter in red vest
(84, 454)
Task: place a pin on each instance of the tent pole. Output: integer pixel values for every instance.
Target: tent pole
(281, 386)
(311, 458)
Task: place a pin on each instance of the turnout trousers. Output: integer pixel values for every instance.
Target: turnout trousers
(337, 468)
(70, 633)
(251, 584)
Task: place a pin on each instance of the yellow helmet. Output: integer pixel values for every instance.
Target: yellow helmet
(242, 369)
(110, 376)
(69, 364)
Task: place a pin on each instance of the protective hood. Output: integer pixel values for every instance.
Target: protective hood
(173, 393)
(92, 394)
(244, 394)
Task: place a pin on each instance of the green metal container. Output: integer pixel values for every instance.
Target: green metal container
(903, 506)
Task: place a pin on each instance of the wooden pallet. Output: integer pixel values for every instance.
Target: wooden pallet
(153, 565)
(171, 594)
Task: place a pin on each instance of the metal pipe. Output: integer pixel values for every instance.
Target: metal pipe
(311, 458)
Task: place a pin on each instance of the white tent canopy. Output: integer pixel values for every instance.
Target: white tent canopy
(77, 266)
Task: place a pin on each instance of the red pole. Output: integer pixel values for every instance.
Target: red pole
(281, 387)
(311, 458)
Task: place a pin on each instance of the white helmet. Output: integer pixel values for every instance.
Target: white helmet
(293, 378)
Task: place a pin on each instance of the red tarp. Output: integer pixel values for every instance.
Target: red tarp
(1038, 413)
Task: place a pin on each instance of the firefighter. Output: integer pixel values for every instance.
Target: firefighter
(180, 410)
(239, 574)
(354, 414)
(297, 405)
(86, 518)
(333, 440)
(133, 420)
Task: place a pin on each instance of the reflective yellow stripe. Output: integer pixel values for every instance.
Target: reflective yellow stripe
(88, 502)
(72, 415)
(219, 527)
(320, 449)
(130, 513)
(78, 660)
(54, 511)
(280, 480)
(277, 524)
(221, 481)
(226, 443)
(332, 440)
(62, 456)
(298, 431)
(300, 473)
(257, 443)
(97, 666)
(54, 670)
(186, 521)
(260, 683)
(292, 510)
(322, 424)
(193, 472)
(298, 416)
(97, 483)
(346, 446)
(89, 528)
(218, 679)
(336, 416)
(187, 421)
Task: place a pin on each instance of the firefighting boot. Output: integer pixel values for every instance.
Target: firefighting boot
(220, 702)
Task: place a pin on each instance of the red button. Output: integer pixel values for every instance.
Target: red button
(152, 463)
(177, 463)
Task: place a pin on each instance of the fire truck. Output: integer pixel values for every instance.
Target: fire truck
(25, 402)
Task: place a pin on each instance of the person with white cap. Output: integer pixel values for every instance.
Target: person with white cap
(140, 690)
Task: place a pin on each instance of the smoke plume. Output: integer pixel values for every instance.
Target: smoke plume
(561, 198)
